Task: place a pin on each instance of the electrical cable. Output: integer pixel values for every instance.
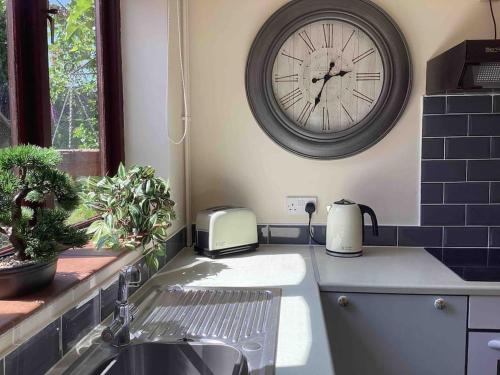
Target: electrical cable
(310, 209)
(185, 118)
(493, 18)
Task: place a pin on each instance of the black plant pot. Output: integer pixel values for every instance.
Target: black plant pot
(15, 282)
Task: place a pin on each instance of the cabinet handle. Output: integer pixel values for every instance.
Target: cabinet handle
(440, 303)
(343, 301)
(494, 344)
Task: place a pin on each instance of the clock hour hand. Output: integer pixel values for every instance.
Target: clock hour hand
(341, 74)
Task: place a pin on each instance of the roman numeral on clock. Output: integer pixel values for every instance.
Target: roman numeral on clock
(367, 76)
(305, 113)
(291, 98)
(328, 34)
(362, 96)
(326, 119)
(348, 40)
(305, 37)
(347, 113)
(363, 55)
(292, 57)
(288, 78)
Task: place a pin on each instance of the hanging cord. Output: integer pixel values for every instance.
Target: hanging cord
(493, 18)
(310, 209)
(185, 118)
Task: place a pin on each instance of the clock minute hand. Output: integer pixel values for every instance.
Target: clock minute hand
(318, 98)
(325, 80)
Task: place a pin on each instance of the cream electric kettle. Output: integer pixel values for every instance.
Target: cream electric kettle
(344, 228)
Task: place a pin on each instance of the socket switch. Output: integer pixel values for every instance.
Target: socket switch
(297, 205)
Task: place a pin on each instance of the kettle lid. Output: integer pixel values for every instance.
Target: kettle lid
(344, 202)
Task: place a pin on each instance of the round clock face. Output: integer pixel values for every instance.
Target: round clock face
(327, 79)
(327, 76)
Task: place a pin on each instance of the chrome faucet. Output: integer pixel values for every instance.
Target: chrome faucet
(118, 332)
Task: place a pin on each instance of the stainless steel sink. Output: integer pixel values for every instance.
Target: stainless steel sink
(165, 359)
(191, 331)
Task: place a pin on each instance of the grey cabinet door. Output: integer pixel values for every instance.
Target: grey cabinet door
(484, 353)
(392, 334)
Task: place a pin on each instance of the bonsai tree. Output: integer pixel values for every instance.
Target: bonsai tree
(28, 179)
(135, 210)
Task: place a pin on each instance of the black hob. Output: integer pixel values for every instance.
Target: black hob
(467, 269)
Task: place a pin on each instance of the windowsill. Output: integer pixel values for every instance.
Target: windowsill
(79, 273)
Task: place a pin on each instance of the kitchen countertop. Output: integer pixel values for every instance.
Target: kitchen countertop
(302, 339)
(301, 272)
(402, 270)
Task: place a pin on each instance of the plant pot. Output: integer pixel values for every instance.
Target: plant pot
(18, 281)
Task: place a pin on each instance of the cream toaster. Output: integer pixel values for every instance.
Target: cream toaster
(225, 230)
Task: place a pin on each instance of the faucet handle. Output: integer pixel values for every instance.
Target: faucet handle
(132, 275)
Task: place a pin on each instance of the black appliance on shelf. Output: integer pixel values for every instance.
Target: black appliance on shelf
(469, 66)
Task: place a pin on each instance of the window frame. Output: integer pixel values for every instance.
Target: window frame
(29, 90)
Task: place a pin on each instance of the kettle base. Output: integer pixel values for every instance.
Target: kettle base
(339, 254)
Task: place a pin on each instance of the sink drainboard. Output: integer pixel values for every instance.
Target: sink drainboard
(245, 318)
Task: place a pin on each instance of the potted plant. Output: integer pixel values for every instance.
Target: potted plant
(29, 179)
(135, 211)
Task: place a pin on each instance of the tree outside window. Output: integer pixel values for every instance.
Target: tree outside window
(73, 76)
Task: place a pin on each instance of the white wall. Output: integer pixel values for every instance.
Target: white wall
(150, 60)
(233, 160)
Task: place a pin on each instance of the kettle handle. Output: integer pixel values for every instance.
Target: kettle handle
(367, 210)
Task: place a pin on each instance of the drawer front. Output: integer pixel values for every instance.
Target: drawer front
(482, 359)
(484, 312)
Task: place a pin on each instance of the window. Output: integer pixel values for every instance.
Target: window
(64, 81)
(67, 88)
(73, 85)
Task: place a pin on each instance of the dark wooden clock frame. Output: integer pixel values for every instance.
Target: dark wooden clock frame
(383, 116)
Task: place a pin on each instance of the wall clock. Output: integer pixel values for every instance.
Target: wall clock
(327, 79)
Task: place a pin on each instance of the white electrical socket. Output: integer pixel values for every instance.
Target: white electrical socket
(297, 205)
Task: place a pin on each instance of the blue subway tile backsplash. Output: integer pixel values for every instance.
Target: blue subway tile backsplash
(495, 147)
(434, 104)
(496, 103)
(469, 104)
(483, 214)
(494, 192)
(263, 234)
(288, 234)
(79, 321)
(444, 126)
(420, 236)
(465, 237)
(38, 354)
(466, 192)
(483, 170)
(443, 170)
(442, 215)
(469, 174)
(466, 147)
(486, 125)
(108, 298)
(495, 237)
(433, 148)
(432, 193)
(387, 236)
